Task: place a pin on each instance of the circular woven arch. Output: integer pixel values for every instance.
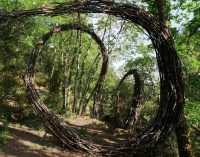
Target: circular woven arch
(171, 85)
(52, 122)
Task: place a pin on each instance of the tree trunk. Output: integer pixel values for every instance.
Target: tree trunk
(78, 51)
(183, 138)
(64, 106)
(181, 131)
(162, 13)
(53, 68)
(65, 54)
(55, 81)
(77, 73)
(97, 95)
(81, 83)
(84, 100)
(82, 92)
(69, 83)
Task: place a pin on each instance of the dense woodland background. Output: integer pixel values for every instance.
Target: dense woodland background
(69, 66)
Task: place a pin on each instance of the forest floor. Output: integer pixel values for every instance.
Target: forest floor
(27, 139)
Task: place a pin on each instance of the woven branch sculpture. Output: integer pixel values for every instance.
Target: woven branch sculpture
(136, 99)
(171, 85)
(53, 123)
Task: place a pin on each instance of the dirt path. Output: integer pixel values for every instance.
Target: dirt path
(26, 139)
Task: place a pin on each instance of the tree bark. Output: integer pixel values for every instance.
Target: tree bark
(162, 12)
(69, 83)
(78, 51)
(81, 83)
(65, 103)
(181, 131)
(65, 54)
(183, 138)
(85, 100)
(82, 92)
(77, 71)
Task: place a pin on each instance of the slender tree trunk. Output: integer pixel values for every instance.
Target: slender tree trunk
(53, 68)
(69, 84)
(87, 87)
(96, 91)
(78, 51)
(162, 12)
(82, 92)
(65, 54)
(75, 84)
(65, 103)
(81, 83)
(183, 138)
(77, 74)
(77, 78)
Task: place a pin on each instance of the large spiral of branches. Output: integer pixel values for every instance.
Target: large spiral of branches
(171, 93)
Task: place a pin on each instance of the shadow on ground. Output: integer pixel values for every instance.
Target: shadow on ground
(26, 139)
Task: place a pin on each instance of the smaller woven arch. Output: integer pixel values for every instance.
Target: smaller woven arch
(136, 98)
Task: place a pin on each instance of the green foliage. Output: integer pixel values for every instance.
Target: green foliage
(152, 7)
(3, 129)
(149, 110)
(2, 139)
(192, 110)
(4, 126)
